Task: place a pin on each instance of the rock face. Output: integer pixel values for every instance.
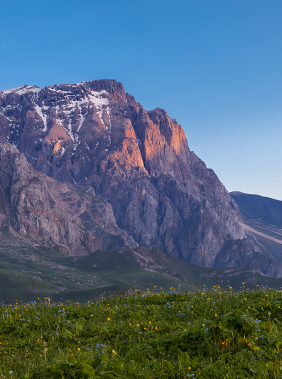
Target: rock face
(52, 213)
(94, 134)
(243, 253)
(259, 208)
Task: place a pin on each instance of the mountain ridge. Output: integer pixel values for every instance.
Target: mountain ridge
(74, 220)
(259, 208)
(262, 222)
(95, 134)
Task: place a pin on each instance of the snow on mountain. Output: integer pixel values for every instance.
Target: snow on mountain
(95, 134)
(69, 104)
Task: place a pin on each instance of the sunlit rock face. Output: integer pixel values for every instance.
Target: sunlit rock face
(95, 134)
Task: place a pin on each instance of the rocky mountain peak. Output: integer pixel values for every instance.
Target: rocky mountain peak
(94, 134)
(112, 87)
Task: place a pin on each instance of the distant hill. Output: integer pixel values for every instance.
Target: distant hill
(259, 208)
(262, 224)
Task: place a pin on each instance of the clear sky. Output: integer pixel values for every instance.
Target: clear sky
(214, 65)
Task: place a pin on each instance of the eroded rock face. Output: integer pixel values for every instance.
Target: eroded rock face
(53, 213)
(94, 134)
(243, 253)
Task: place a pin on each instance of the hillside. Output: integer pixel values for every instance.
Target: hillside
(259, 208)
(29, 271)
(262, 222)
(204, 334)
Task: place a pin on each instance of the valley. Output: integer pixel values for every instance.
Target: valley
(29, 272)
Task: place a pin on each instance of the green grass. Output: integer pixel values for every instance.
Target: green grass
(15, 284)
(202, 334)
(47, 272)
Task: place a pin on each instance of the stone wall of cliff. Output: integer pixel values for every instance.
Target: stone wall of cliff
(95, 134)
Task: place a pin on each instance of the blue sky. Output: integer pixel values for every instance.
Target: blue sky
(214, 65)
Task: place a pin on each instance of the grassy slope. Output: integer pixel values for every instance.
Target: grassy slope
(82, 278)
(18, 286)
(204, 334)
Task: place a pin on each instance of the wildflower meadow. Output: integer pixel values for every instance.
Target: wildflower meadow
(215, 333)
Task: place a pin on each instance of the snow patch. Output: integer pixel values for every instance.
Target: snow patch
(71, 109)
(110, 125)
(99, 102)
(109, 115)
(70, 133)
(22, 90)
(80, 83)
(44, 117)
(28, 89)
(97, 144)
(11, 90)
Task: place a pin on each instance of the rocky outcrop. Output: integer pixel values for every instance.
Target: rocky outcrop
(94, 134)
(242, 253)
(52, 213)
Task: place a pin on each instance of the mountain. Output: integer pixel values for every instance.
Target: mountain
(52, 213)
(249, 253)
(96, 139)
(259, 208)
(72, 219)
(262, 222)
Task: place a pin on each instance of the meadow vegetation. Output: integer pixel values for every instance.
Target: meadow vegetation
(218, 333)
